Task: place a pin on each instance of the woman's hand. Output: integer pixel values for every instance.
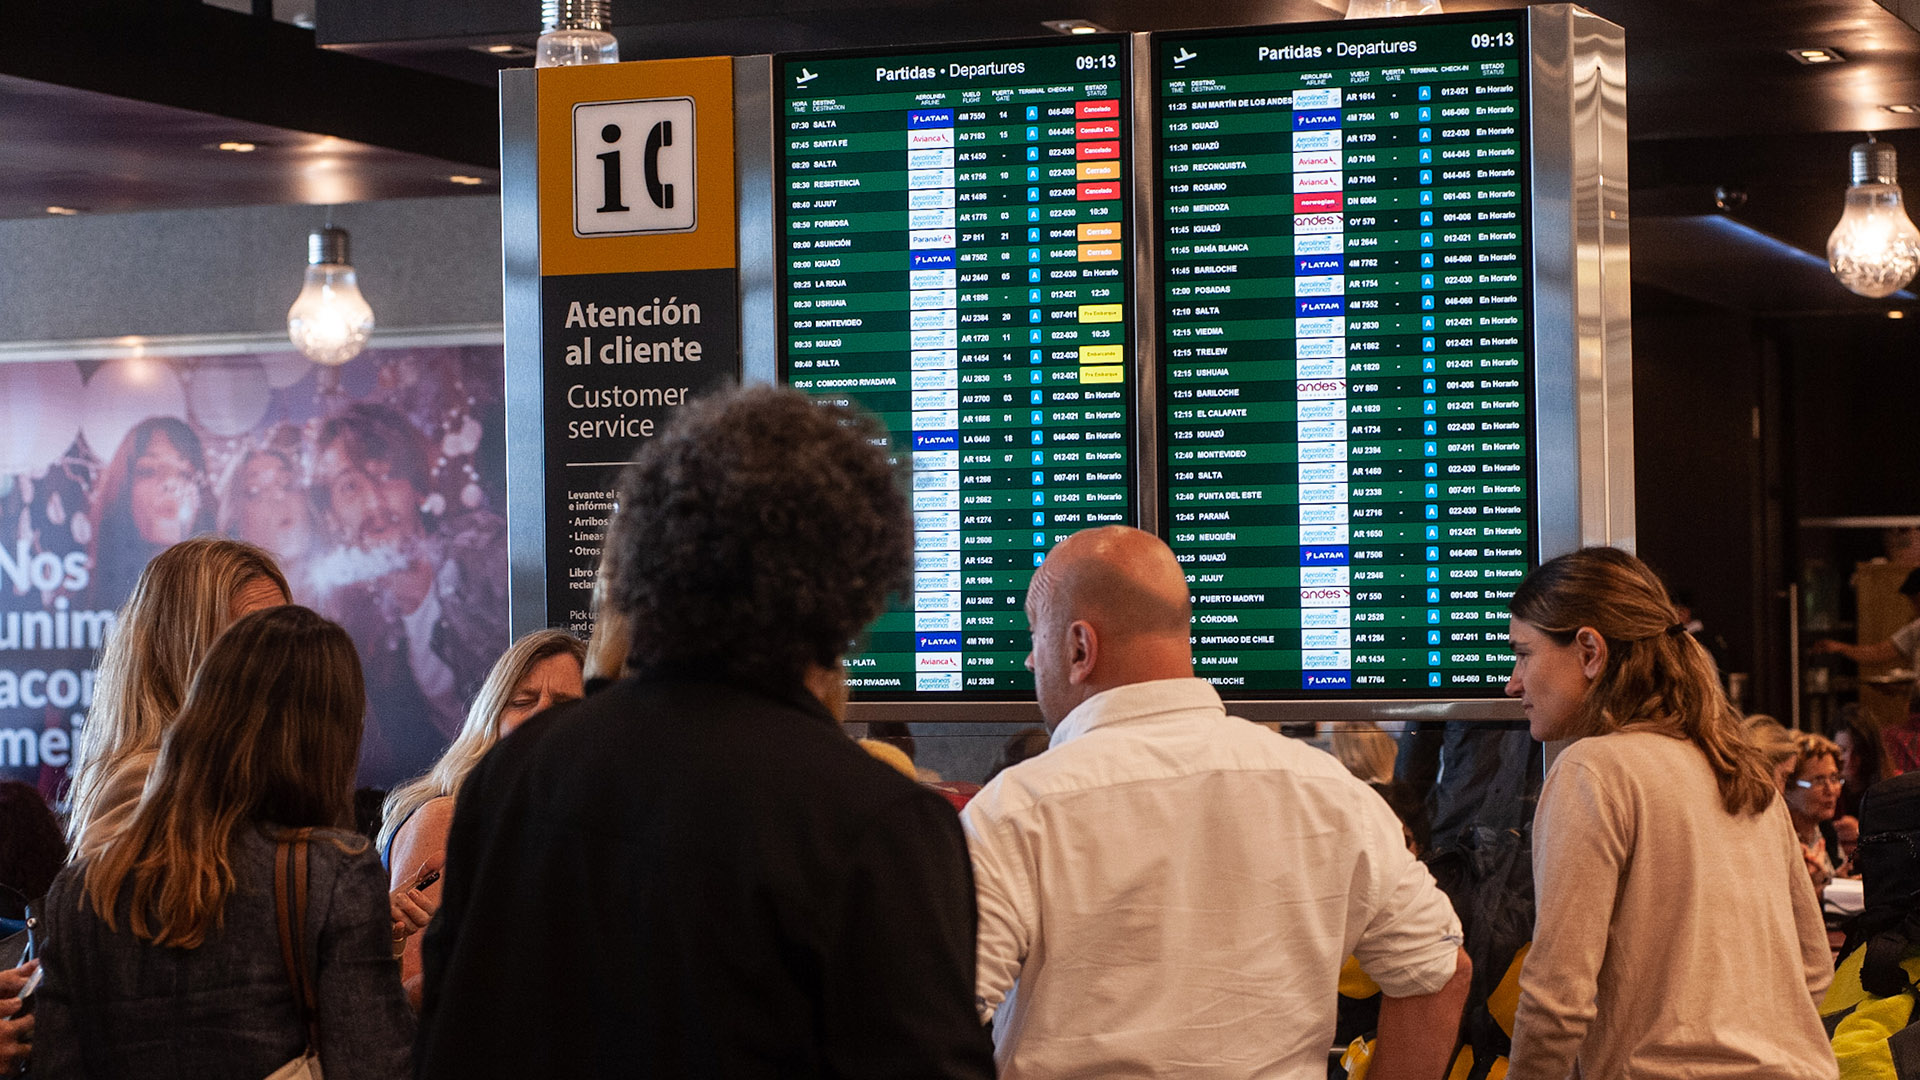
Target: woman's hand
(1819, 873)
(412, 909)
(16, 1033)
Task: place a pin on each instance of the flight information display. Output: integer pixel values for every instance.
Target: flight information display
(954, 257)
(1346, 364)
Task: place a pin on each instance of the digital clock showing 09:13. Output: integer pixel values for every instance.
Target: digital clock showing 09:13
(1503, 39)
(1104, 61)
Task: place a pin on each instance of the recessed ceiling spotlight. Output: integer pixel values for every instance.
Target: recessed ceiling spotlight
(1902, 108)
(62, 211)
(1073, 26)
(469, 181)
(503, 50)
(1817, 56)
(1896, 313)
(238, 147)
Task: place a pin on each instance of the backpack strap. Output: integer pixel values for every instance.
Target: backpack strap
(290, 901)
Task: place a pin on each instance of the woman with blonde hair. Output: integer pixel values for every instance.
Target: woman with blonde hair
(612, 636)
(185, 597)
(164, 955)
(1675, 934)
(1776, 743)
(1364, 749)
(1813, 800)
(537, 672)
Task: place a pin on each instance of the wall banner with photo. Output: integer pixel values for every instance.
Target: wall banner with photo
(379, 486)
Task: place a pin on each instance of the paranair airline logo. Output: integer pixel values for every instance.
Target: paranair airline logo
(633, 167)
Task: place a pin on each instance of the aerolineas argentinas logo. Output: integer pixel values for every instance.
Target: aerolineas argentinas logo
(633, 167)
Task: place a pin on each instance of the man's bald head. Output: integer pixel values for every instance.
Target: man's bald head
(1123, 580)
(1108, 607)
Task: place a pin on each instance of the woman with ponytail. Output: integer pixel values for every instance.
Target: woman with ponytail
(1676, 934)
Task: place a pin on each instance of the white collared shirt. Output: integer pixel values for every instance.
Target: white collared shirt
(1175, 889)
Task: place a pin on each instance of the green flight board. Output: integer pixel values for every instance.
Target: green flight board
(954, 257)
(1346, 404)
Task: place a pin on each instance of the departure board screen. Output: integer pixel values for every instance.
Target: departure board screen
(1346, 364)
(954, 257)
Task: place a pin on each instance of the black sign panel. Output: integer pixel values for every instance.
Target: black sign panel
(620, 353)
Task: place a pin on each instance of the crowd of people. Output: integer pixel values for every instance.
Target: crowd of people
(658, 853)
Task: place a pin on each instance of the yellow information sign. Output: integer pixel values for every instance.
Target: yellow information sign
(636, 167)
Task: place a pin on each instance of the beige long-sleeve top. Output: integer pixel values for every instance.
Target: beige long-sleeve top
(1672, 939)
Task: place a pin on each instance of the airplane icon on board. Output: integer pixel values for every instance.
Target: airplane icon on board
(1182, 57)
(806, 77)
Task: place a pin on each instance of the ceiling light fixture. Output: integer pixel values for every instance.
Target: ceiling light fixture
(1387, 9)
(238, 147)
(503, 50)
(1902, 109)
(1896, 313)
(62, 211)
(1818, 56)
(575, 32)
(329, 321)
(469, 181)
(1875, 250)
(1073, 26)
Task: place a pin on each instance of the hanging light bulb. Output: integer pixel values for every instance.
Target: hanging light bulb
(1383, 9)
(329, 321)
(1875, 249)
(576, 32)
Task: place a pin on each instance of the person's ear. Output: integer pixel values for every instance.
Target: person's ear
(1083, 651)
(1593, 651)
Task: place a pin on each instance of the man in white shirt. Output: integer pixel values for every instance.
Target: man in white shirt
(1175, 889)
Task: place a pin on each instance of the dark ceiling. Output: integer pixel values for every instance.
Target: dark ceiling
(134, 89)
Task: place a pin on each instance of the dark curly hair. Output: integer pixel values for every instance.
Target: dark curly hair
(758, 535)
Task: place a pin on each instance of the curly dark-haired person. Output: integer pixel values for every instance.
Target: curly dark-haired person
(693, 872)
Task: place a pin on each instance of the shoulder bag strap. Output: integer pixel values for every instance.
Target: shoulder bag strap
(290, 899)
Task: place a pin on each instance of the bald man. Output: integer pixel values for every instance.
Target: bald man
(1174, 889)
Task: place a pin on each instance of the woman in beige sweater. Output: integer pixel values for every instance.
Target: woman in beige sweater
(1677, 934)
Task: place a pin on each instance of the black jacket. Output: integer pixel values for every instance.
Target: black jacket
(695, 879)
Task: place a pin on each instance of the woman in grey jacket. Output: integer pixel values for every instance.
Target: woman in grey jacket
(163, 955)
